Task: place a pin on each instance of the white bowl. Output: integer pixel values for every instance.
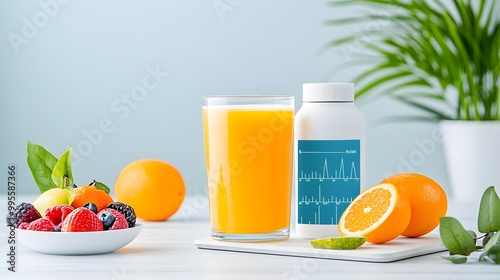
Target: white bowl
(78, 243)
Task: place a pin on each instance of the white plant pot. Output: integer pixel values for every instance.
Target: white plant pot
(472, 153)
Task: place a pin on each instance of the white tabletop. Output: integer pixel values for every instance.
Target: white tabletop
(165, 250)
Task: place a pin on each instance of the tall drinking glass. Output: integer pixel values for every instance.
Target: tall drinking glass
(249, 152)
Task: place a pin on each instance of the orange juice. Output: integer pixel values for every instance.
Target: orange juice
(249, 167)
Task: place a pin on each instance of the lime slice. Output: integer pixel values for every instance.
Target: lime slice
(338, 243)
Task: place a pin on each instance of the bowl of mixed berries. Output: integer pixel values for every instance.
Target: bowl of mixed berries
(66, 218)
(68, 230)
(85, 220)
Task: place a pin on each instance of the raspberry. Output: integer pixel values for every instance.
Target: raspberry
(57, 213)
(42, 224)
(23, 225)
(126, 210)
(112, 219)
(81, 219)
(25, 212)
(120, 221)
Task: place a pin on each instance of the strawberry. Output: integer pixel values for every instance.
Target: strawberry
(81, 219)
(58, 213)
(42, 224)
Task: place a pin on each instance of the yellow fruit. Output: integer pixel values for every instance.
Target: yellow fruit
(427, 198)
(51, 197)
(380, 213)
(154, 188)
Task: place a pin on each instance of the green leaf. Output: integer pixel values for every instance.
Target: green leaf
(455, 238)
(472, 234)
(491, 243)
(489, 212)
(381, 80)
(395, 119)
(62, 174)
(487, 238)
(492, 249)
(494, 253)
(102, 186)
(41, 164)
(457, 259)
(434, 112)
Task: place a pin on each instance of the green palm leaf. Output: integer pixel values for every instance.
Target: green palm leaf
(455, 45)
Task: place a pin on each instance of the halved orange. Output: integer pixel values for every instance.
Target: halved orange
(380, 213)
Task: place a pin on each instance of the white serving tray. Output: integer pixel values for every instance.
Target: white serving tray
(397, 249)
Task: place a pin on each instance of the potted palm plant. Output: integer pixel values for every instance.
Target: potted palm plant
(442, 58)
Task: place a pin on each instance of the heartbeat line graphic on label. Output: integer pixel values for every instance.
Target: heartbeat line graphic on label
(328, 179)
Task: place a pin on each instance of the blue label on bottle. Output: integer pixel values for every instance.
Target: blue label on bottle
(328, 179)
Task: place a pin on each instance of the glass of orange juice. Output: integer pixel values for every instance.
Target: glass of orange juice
(249, 151)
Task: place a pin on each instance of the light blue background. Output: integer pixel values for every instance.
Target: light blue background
(77, 69)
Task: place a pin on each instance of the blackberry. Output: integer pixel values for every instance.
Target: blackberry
(126, 210)
(25, 212)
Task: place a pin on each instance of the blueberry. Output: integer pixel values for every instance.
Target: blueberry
(91, 206)
(57, 229)
(107, 218)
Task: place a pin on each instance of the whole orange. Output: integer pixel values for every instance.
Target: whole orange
(154, 188)
(85, 194)
(427, 198)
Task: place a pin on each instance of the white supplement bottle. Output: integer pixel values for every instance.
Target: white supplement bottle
(329, 157)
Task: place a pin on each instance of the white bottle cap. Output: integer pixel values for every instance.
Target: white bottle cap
(328, 92)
